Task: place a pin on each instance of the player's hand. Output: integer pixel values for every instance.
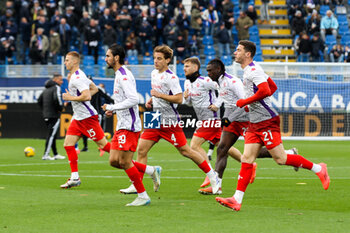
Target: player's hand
(213, 108)
(108, 113)
(155, 93)
(241, 103)
(186, 94)
(66, 96)
(225, 122)
(149, 104)
(104, 107)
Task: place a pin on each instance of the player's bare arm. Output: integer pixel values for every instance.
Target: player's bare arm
(85, 96)
(176, 99)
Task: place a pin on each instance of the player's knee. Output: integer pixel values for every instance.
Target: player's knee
(141, 153)
(114, 163)
(222, 150)
(280, 160)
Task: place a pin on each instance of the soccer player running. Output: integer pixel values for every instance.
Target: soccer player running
(235, 121)
(124, 142)
(200, 93)
(166, 95)
(85, 117)
(264, 127)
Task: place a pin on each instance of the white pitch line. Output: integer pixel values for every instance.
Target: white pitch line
(172, 177)
(80, 162)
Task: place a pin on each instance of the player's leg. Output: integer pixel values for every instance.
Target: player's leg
(279, 155)
(69, 146)
(85, 143)
(251, 151)
(227, 140)
(154, 171)
(52, 125)
(103, 145)
(143, 147)
(123, 160)
(186, 151)
(211, 150)
(196, 144)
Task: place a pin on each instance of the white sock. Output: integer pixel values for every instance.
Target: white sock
(239, 196)
(149, 170)
(316, 168)
(211, 174)
(210, 152)
(290, 152)
(74, 175)
(143, 195)
(220, 181)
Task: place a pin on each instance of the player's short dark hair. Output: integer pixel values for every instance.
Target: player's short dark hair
(56, 75)
(118, 50)
(248, 47)
(217, 62)
(193, 60)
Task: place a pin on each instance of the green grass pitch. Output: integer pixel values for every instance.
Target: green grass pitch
(280, 199)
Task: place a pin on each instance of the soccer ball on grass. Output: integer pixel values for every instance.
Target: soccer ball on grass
(108, 135)
(29, 151)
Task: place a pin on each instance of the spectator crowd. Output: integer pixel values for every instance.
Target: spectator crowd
(316, 30)
(38, 31)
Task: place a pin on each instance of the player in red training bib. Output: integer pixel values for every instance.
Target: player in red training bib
(264, 127)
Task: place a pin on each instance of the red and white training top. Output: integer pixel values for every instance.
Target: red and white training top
(126, 101)
(166, 83)
(262, 110)
(77, 84)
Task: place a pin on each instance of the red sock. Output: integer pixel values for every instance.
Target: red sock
(107, 147)
(244, 176)
(140, 167)
(134, 176)
(298, 161)
(72, 157)
(204, 166)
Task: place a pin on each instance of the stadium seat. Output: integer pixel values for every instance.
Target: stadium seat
(255, 38)
(89, 70)
(345, 40)
(227, 60)
(258, 58)
(236, 2)
(208, 59)
(133, 60)
(324, 9)
(330, 40)
(101, 60)
(343, 30)
(180, 71)
(147, 60)
(88, 60)
(209, 50)
(208, 40)
(253, 30)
